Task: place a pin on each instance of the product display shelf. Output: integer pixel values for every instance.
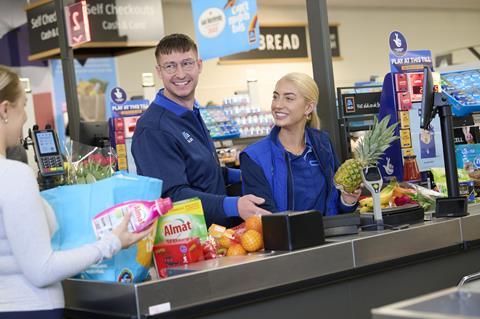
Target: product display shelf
(251, 119)
(220, 125)
(462, 89)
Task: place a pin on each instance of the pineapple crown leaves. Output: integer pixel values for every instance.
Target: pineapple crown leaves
(375, 142)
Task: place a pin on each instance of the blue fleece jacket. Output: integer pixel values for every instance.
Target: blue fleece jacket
(172, 143)
(266, 172)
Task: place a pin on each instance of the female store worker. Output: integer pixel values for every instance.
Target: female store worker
(293, 167)
(30, 272)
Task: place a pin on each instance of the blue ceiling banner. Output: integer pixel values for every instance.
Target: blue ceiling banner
(224, 27)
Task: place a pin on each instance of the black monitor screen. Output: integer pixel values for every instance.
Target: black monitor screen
(372, 174)
(46, 142)
(428, 99)
(94, 133)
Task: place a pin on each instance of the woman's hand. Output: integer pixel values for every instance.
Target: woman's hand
(351, 198)
(127, 238)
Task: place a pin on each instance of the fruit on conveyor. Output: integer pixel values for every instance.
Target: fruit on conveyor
(236, 250)
(246, 237)
(254, 222)
(227, 238)
(252, 240)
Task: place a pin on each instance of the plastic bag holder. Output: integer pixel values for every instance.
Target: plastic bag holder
(292, 230)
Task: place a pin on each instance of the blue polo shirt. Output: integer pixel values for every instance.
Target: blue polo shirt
(308, 180)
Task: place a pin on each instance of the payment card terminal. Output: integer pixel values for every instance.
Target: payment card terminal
(372, 180)
(47, 152)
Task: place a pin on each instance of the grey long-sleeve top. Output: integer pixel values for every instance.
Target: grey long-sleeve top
(30, 271)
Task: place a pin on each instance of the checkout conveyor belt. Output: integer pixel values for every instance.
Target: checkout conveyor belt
(235, 281)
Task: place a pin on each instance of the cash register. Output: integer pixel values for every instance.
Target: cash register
(394, 217)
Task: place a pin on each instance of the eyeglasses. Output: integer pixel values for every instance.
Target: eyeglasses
(186, 65)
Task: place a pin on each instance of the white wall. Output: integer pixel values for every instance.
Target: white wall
(363, 34)
(364, 37)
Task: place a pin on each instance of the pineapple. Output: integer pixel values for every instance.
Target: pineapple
(348, 176)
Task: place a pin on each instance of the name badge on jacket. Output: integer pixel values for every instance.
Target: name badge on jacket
(187, 137)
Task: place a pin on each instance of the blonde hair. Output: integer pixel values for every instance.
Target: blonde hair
(10, 87)
(309, 89)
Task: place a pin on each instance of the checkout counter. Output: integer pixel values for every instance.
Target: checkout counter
(345, 278)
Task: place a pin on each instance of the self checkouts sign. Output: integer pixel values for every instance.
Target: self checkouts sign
(77, 23)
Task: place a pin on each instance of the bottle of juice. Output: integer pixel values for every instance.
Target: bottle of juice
(143, 214)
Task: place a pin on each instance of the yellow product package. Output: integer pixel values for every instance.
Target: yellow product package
(145, 249)
(184, 220)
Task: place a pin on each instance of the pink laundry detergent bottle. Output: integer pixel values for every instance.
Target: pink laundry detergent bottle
(143, 214)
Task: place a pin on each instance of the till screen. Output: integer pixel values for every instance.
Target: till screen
(372, 174)
(46, 143)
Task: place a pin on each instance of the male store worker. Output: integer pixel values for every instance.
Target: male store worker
(172, 143)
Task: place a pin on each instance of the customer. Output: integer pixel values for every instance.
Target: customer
(172, 143)
(30, 271)
(293, 167)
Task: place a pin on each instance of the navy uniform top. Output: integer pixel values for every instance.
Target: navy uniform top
(289, 182)
(172, 143)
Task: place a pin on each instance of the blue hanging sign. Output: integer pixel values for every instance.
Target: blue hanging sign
(411, 61)
(398, 43)
(225, 27)
(118, 95)
(129, 108)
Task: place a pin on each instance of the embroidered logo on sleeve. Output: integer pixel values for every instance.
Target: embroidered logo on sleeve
(187, 137)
